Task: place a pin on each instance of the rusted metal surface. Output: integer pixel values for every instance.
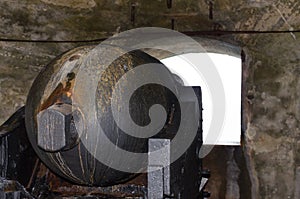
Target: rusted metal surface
(46, 91)
(49, 185)
(55, 85)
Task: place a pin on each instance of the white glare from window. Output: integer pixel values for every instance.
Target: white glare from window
(230, 70)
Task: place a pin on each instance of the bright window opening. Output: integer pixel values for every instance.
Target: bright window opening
(230, 70)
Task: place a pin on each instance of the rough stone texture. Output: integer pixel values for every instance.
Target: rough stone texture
(272, 89)
(80, 4)
(233, 172)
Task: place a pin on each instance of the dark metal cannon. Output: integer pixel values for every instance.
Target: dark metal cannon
(50, 118)
(58, 127)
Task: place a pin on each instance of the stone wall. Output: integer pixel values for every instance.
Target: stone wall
(271, 113)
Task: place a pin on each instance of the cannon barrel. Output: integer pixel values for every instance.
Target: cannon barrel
(50, 116)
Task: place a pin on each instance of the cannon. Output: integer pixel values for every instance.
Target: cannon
(61, 133)
(50, 118)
